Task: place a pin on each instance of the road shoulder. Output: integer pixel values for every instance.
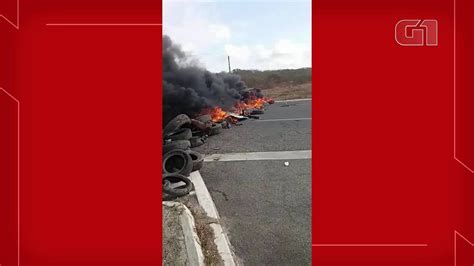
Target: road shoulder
(181, 244)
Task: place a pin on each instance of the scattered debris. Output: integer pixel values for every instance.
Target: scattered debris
(287, 163)
(236, 116)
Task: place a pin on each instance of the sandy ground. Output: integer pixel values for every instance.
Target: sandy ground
(174, 251)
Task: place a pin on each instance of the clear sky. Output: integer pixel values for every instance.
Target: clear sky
(256, 34)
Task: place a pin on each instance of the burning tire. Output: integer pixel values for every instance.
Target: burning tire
(215, 129)
(198, 160)
(257, 112)
(169, 179)
(177, 162)
(204, 118)
(176, 123)
(176, 145)
(180, 134)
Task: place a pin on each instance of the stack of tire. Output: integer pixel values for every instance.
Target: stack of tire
(178, 158)
(211, 127)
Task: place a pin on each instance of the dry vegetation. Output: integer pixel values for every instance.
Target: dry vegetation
(282, 84)
(288, 92)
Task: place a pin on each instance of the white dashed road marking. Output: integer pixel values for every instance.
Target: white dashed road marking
(294, 100)
(259, 156)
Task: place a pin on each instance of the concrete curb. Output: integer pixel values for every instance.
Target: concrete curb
(191, 239)
(206, 202)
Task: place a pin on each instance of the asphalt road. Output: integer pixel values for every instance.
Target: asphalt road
(266, 134)
(265, 206)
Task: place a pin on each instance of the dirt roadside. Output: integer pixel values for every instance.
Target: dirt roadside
(204, 231)
(289, 91)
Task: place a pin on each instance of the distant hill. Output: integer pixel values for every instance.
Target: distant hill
(273, 78)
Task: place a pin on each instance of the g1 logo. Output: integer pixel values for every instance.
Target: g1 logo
(417, 32)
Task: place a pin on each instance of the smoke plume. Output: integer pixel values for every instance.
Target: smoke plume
(189, 89)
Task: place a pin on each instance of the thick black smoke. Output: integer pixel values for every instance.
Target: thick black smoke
(189, 88)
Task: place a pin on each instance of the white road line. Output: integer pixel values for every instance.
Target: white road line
(203, 195)
(294, 100)
(283, 119)
(259, 156)
(206, 202)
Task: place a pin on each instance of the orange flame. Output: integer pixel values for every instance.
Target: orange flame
(218, 114)
(251, 103)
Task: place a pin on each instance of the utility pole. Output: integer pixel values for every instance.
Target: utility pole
(228, 61)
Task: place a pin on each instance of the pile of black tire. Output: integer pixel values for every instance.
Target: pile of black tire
(178, 158)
